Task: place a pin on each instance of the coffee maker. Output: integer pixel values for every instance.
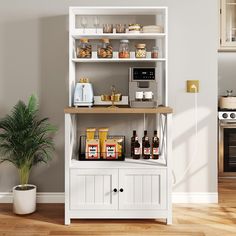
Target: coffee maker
(142, 87)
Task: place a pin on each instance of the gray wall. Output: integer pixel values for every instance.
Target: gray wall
(34, 59)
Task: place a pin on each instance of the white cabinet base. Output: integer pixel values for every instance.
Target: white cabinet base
(92, 194)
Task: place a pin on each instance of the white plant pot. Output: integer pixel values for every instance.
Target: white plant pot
(24, 201)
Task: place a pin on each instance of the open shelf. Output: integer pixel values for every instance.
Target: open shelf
(77, 35)
(127, 163)
(118, 59)
(118, 110)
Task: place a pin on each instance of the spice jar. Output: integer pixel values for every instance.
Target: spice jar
(120, 28)
(140, 51)
(124, 49)
(84, 50)
(104, 49)
(155, 52)
(107, 28)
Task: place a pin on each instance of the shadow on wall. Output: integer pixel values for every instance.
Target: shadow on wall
(53, 96)
(193, 164)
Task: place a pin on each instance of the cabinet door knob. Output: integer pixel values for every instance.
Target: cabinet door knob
(115, 190)
(121, 190)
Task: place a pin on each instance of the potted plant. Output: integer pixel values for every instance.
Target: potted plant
(25, 140)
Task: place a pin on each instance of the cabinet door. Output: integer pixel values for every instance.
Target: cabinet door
(93, 189)
(228, 23)
(142, 189)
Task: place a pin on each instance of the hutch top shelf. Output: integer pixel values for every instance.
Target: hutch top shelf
(116, 10)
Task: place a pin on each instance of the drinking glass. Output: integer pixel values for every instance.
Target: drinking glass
(96, 23)
(84, 23)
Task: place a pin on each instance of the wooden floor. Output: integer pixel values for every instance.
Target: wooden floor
(195, 220)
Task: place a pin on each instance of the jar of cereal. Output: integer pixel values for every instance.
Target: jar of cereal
(84, 50)
(104, 49)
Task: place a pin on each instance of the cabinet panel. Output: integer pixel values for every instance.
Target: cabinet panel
(228, 23)
(93, 189)
(142, 189)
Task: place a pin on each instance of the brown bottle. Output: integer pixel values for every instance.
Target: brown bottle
(155, 146)
(146, 149)
(132, 142)
(137, 149)
(143, 140)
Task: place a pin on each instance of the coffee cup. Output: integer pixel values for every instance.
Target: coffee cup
(139, 95)
(148, 95)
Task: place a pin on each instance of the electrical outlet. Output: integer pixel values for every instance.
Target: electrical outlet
(192, 86)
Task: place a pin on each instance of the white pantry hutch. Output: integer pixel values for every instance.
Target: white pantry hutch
(129, 189)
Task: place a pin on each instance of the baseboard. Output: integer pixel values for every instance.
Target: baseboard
(177, 197)
(195, 197)
(41, 197)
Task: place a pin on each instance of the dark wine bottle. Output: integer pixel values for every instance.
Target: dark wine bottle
(132, 142)
(137, 150)
(143, 140)
(146, 148)
(155, 146)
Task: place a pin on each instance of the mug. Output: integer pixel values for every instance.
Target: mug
(139, 95)
(148, 95)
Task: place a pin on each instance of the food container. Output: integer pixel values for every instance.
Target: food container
(140, 51)
(152, 29)
(92, 149)
(107, 28)
(120, 28)
(227, 102)
(102, 132)
(104, 49)
(135, 28)
(110, 149)
(124, 49)
(90, 133)
(119, 142)
(155, 52)
(84, 50)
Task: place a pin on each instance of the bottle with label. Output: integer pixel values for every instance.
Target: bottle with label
(146, 148)
(132, 142)
(143, 140)
(155, 146)
(137, 150)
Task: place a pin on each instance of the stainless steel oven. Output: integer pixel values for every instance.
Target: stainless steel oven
(227, 144)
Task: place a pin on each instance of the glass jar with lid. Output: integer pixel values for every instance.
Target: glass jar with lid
(124, 49)
(155, 52)
(84, 49)
(140, 51)
(104, 49)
